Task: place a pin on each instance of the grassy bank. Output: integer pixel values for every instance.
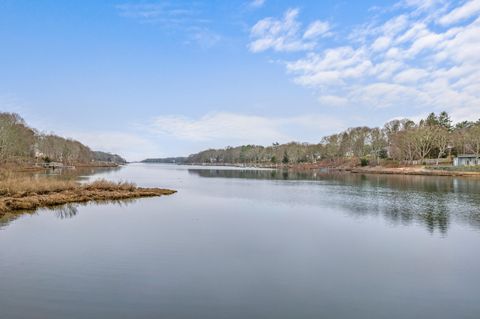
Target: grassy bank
(419, 170)
(19, 193)
(471, 169)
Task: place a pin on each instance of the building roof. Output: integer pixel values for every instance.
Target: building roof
(467, 155)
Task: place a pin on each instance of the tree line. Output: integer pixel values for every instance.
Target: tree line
(430, 139)
(22, 144)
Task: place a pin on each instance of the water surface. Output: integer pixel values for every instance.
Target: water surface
(236, 243)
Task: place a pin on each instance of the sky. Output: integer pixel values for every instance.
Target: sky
(170, 78)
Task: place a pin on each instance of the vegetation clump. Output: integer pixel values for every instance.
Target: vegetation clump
(364, 162)
(28, 192)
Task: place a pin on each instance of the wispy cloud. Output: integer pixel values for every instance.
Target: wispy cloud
(218, 128)
(204, 37)
(286, 34)
(317, 29)
(130, 145)
(174, 17)
(422, 55)
(164, 13)
(257, 3)
(469, 9)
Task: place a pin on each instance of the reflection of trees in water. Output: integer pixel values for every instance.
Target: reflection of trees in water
(66, 211)
(75, 174)
(254, 174)
(436, 220)
(401, 199)
(7, 219)
(433, 202)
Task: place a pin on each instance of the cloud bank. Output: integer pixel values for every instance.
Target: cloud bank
(422, 55)
(287, 34)
(233, 128)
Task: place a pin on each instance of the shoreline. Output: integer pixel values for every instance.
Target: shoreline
(419, 171)
(22, 168)
(35, 201)
(381, 170)
(24, 194)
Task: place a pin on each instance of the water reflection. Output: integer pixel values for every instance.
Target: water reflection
(63, 211)
(66, 211)
(401, 200)
(75, 173)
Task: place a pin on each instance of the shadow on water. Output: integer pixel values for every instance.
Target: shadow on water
(400, 199)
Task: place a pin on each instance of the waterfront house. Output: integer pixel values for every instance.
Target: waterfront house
(53, 165)
(466, 160)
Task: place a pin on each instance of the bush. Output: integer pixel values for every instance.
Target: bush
(364, 162)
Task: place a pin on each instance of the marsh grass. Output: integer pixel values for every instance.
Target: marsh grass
(20, 192)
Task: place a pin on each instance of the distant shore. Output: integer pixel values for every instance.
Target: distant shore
(403, 170)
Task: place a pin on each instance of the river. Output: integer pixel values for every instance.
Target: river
(238, 243)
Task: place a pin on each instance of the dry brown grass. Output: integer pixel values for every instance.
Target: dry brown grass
(18, 185)
(107, 185)
(29, 192)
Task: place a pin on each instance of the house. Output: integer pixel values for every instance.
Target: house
(466, 160)
(53, 165)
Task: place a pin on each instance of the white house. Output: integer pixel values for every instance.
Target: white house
(466, 160)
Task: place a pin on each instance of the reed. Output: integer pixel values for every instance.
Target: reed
(29, 192)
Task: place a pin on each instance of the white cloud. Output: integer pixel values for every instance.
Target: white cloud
(388, 95)
(469, 9)
(332, 100)
(333, 67)
(285, 35)
(241, 129)
(420, 4)
(395, 25)
(217, 126)
(128, 145)
(381, 43)
(403, 61)
(410, 76)
(316, 29)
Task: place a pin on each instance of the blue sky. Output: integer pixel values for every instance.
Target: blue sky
(164, 78)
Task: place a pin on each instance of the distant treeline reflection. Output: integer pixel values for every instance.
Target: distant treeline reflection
(431, 201)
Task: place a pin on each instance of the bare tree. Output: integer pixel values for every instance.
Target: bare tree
(442, 142)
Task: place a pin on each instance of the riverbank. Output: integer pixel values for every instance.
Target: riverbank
(414, 171)
(345, 166)
(29, 193)
(35, 167)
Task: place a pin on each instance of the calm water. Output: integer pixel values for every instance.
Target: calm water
(250, 244)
